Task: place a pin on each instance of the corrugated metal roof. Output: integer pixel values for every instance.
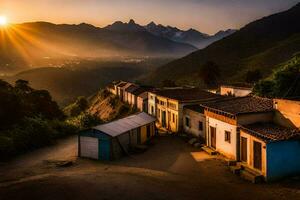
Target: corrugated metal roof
(121, 126)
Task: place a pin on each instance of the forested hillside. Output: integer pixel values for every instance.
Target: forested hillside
(260, 45)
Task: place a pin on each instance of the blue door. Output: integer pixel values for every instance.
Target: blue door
(104, 149)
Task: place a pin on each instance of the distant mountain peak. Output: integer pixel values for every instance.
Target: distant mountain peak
(131, 21)
(151, 24)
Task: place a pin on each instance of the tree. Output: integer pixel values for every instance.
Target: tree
(22, 86)
(210, 74)
(253, 76)
(82, 103)
(284, 83)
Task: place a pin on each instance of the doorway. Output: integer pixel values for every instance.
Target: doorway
(213, 137)
(257, 158)
(244, 151)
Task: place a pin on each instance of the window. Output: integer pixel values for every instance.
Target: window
(152, 110)
(200, 126)
(173, 118)
(158, 113)
(187, 122)
(227, 136)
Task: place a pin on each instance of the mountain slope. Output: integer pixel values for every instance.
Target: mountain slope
(28, 43)
(191, 36)
(262, 45)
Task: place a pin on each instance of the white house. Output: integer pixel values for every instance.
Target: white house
(236, 91)
(224, 116)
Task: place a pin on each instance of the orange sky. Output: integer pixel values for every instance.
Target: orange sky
(207, 16)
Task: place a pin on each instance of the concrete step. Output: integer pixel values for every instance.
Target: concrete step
(251, 176)
(235, 169)
(209, 150)
(231, 162)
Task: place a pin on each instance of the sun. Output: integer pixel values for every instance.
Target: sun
(3, 21)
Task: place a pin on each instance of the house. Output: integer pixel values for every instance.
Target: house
(111, 140)
(287, 112)
(128, 94)
(169, 105)
(152, 103)
(194, 121)
(224, 116)
(142, 102)
(121, 89)
(112, 88)
(235, 90)
(270, 150)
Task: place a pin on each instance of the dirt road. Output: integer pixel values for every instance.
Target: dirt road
(170, 169)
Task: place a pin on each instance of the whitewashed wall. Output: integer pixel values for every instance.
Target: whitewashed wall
(225, 148)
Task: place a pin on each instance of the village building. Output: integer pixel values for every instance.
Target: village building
(112, 140)
(287, 112)
(194, 121)
(152, 103)
(121, 87)
(142, 102)
(270, 150)
(223, 118)
(235, 90)
(128, 94)
(169, 105)
(112, 88)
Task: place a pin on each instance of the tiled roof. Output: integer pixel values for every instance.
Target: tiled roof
(122, 84)
(270, 132)
(196, 108)
(186, 94)
(132, 88)
(138, 91)
(241, 105)
(144, 95)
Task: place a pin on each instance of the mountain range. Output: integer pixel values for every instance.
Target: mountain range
(29, 44)
(261, 45)
(191, 36)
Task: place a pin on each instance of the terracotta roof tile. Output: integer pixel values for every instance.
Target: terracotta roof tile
(186, 94)
(241, 105)
(270, 132)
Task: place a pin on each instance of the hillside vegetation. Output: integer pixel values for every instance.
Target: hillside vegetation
(260, 45)
(107, 106)
(283, 83)
(83, 78)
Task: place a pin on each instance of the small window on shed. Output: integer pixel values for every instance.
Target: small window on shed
(187, 122)
(200, 126)
(228, 136)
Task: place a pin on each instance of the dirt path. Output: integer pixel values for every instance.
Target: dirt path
(170, 169)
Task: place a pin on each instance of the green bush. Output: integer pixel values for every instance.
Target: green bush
(284, 83)
(84, 121)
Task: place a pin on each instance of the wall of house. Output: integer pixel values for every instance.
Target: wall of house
(195, 118)
(173, 112)
(144, 137)
(227, 149)
(250, 153)
(124, 140)
(255, 118)
(116, 150)
(237, 92)
(140, 103)
(283, 159)
(287, 113)
(151, 103)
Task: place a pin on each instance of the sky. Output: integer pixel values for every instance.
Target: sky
(208, 16)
